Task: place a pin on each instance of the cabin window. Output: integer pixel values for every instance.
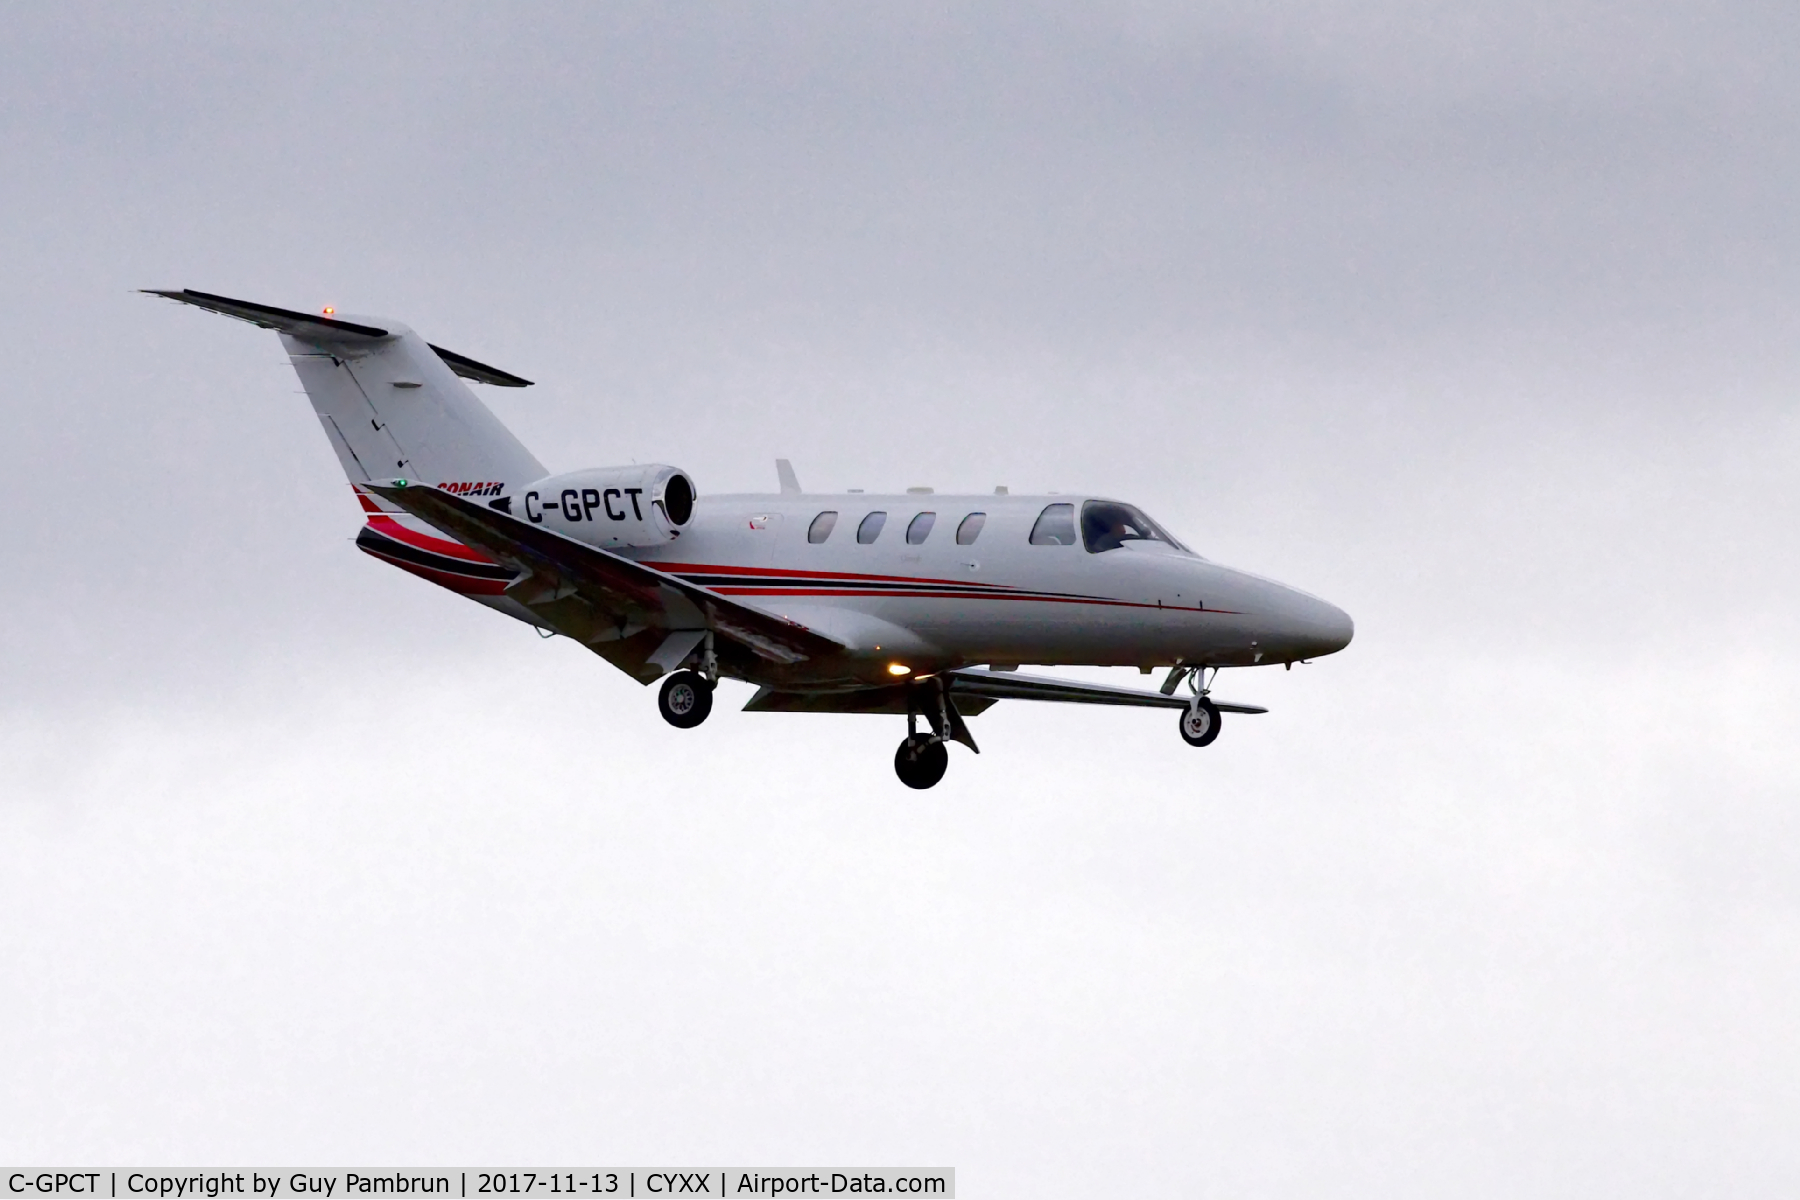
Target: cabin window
(821, 527)
(920, 528)
(870, 529)
(1055, 526)
(1107, 525)
(970, 529)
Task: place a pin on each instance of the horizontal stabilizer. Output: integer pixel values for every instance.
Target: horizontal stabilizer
(1011, 686)
(316, 328)
(476, 372)
(301, 325)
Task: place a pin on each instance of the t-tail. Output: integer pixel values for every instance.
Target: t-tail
(391, 403)
(394, 406)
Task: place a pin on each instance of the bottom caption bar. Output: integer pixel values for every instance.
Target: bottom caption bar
(337, 1185)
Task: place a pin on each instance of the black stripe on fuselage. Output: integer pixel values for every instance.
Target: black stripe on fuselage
(714, 580)
(387, 547)
(778, 584)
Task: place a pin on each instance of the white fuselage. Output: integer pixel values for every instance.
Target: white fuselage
(852, 618)
(935, 603)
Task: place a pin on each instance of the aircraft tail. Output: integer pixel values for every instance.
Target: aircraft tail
(392, 404)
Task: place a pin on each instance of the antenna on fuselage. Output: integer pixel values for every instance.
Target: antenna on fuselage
(790, 482)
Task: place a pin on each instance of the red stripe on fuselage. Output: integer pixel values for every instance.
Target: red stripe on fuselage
(954, 589)
(793, 573)
(388, 527)
(950, 595)
(463, 584)
(954, 595)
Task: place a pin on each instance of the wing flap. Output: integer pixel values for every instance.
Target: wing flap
(1013, 686)
(887, 700)
(630, 592)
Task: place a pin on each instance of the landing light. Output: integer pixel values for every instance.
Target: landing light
(899, 669)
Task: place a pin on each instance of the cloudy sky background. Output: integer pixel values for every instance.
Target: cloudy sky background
(1480, 322)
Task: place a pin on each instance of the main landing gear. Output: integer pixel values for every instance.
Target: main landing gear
(687, 695)
(1200, 719)
(686, 699)
(923, 758)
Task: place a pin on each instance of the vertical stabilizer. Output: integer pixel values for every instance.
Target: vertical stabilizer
(392, 404)
(393, 407)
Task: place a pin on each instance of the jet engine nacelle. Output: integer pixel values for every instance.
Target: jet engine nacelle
(611, 506)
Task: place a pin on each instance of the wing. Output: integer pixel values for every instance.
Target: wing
(1007, 685)
(890, 700)
(622, 609)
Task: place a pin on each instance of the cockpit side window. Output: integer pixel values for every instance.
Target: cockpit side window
(1107, 525)
(870, 529)
(1055, 526)
(821, 527)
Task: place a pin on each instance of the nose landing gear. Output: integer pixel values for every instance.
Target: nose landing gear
(1200, 720)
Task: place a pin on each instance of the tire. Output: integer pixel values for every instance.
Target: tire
(1200, 724)
(685, 699)
(921, 761)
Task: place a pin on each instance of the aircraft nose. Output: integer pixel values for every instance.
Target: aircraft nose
(1314, 627)
(1333, 628)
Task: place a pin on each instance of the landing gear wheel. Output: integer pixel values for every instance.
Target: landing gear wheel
(921, 761)
(1200, 724)
(685, 699)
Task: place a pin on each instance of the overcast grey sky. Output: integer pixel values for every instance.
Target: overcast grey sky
(1479, 321)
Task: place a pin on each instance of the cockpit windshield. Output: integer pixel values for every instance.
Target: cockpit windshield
(1107, 525)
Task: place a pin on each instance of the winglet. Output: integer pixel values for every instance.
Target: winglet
(790, 482)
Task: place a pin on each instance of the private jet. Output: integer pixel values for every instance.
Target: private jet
(913, 604)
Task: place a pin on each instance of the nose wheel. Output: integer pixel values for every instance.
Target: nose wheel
(685, 700)
(1200, 722)
(921, 761)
